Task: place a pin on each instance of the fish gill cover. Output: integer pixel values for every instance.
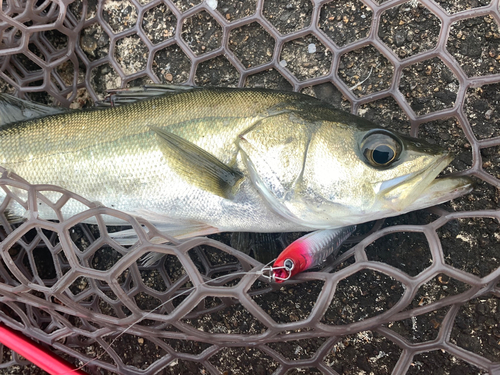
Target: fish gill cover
(411, 294)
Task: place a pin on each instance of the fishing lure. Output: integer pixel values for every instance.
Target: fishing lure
(308, 252)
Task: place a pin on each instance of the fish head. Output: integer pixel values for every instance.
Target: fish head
(400, 169)
(323, 174)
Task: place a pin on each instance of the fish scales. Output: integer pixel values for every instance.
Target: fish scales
(112, 156)
(302, 163)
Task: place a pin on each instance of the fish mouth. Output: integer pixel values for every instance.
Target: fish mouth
(441, 190)
(424, 189)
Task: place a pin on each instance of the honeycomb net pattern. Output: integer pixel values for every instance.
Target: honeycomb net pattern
(426, 67)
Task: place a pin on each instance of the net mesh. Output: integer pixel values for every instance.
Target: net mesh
(408, 295)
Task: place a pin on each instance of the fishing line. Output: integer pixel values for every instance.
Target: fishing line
(260, 272)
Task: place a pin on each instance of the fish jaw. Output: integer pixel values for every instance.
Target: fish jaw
(441, 190)
(401, 193)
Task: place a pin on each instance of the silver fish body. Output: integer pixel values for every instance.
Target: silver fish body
(210, 160)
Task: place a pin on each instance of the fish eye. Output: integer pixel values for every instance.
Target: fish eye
(288, 264)
(380, 149)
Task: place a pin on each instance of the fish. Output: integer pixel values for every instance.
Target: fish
(196, 161)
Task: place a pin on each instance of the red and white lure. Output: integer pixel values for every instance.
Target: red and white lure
(307, 252)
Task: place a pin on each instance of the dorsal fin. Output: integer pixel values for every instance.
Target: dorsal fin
(134, 94)
(196, 165)
(13, 109)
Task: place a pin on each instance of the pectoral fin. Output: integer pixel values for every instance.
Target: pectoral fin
(196, 165)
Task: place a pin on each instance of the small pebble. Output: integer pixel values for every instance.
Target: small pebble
(212, 4)
(311, 48)
(283, 63)
(488, 114)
